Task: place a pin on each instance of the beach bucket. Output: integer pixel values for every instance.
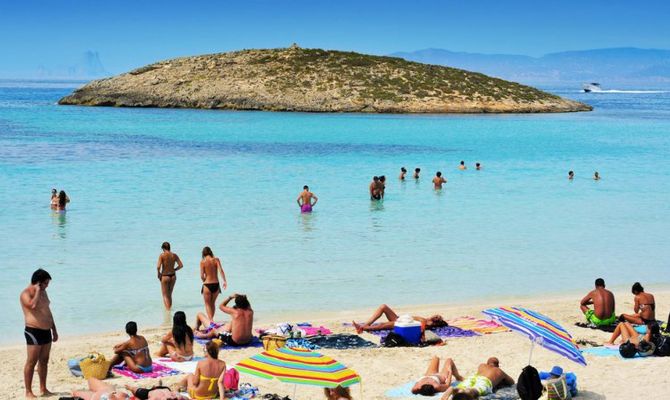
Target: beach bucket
(271, 342)
(94, 366)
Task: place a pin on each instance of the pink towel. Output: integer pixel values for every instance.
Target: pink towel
(158, 371)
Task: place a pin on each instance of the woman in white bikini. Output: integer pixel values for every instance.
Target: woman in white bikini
(434, 380)
(178, 343)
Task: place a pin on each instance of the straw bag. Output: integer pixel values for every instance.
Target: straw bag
(271, 342)
(95, 366)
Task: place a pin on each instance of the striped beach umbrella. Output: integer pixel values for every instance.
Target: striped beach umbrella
(539, 329)
(299, 366)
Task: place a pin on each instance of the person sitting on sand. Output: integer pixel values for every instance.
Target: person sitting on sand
(434, 380)
(602, 299)
(438, 180)
(374, 189)
(403, 172)
(462, 166)
(134, 352)
(178, 343)
(644, 308)
(488, 378)
(596, 176)
(337, 393)
(305, 200)
(167, 272)
(238, 332)
(208, 380)
(210, 268)
(417, 171)
(98, 390)
(434, 321)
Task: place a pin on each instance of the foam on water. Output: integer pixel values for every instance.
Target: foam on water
(138, 177)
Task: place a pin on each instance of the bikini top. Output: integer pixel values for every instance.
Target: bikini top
(212, 381)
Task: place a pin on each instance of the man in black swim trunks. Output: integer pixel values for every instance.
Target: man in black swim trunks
(40, 330)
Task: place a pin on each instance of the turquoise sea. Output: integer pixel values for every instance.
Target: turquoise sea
(138, 177)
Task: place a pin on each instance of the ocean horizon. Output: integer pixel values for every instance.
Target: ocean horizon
(229, 180)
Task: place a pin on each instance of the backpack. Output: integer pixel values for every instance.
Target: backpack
(627, 350)
(529, 385)
(394, 340)
(662, 345)
(232, 379)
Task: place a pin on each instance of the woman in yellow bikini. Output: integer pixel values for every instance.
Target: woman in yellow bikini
(207, 381)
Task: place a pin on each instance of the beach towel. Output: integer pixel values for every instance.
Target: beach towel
(159, 371)
(255, 342)
(443, 332)
(305, 329)
(185, 367)
(481, 326)
(405, 391)
(341, 342)
(608, 351)
(604, 328)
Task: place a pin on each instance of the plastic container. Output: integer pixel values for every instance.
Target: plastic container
(410, 331)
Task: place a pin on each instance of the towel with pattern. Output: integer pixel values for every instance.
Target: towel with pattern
(480, 326)
(443, 332)
(158, 371)
(405, 391)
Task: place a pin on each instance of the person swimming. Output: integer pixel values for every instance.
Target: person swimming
(210, 268)
(305, 200)
(374, 189)
(571, 175)
(417, 171)
(596, 176)
(438, 180)
(403, 172)
(462, 166)
(478, 166)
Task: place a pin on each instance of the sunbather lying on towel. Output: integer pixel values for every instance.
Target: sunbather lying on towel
(489, 377)
(434, 380)
(434, 321)
(100, 390)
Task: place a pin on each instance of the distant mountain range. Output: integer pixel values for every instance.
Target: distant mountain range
(626, 66)
(88, 66)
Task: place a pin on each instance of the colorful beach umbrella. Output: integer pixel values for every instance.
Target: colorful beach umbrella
(539, 329)
(299, 366)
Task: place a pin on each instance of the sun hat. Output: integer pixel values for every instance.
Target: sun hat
(556, 371)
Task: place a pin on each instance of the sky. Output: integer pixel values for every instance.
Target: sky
(128, 34)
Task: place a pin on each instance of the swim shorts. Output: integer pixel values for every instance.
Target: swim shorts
(37, 337)
(591, 317)
(306, 208)
(481, 384)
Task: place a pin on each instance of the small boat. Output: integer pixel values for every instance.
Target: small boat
(591, 87)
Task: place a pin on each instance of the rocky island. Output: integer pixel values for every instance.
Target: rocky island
(315, 80)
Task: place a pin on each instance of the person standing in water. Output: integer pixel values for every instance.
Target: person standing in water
(417, 171)
(478, 166)
(571, 175)
(62, 201)
(382, 186)
(438, 180)
(596, 176)
(54, 199)
(40, 330)
(167, 273)
(462, 166)
(403, 172)
(305, 200)
(210, 267)
(374, 189)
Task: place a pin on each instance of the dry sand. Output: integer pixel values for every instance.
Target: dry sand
(382, 369)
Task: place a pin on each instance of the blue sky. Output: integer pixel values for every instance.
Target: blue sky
(133, 33)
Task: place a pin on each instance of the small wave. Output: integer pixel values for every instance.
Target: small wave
(629, 91)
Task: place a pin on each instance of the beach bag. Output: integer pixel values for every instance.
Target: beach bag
(394, 340)
(662, 345)
(627, 350)
(557, 389)
(529, 385)
(271, 342)
(646, 349)
(73, 366)
(94, 366)
(231, 380)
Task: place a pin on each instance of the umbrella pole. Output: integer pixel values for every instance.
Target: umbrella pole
(294, 389)
(530, 356)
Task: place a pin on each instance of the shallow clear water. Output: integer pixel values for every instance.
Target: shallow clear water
(138, 177)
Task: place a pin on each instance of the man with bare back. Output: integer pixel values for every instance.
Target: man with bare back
(167, 273)
(305, 200)
(241, 324)
(40, 330)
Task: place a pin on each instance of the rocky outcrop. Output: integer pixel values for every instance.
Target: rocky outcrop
(315, 80)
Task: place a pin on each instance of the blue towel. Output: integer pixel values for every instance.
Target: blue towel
(605, 351)
(405, 391)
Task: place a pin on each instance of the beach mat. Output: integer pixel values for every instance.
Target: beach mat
(481, 326)
(341, 342)
(185, 367)
(608, 351)
(445, 332)
(159, 371)
(606, 328)
(405, 391)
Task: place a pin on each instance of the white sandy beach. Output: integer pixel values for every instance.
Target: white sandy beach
(382, 369)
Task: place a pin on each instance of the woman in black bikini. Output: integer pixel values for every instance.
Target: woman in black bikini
(167, 273)
(210, 267)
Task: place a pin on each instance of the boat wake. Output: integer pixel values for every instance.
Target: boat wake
(628, 91)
